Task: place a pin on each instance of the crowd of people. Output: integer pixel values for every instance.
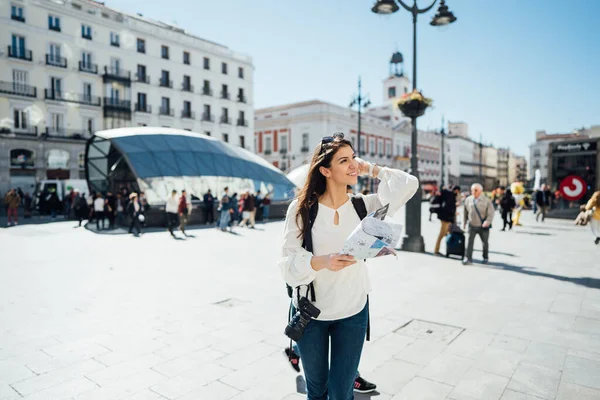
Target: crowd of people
(238, 211)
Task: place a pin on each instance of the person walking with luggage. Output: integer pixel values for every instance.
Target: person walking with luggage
(479, 214)
(172, 210)
(209, 205)
(184, 209)
(507, 205)
(446, 214)
(594, 204)
(99, 204)
(324, 215)
(135, 211)
(543, 199)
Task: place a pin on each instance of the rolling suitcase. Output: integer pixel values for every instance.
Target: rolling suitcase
(455, 242)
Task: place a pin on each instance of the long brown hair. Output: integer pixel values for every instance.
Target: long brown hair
(596, 199)
(316, 184)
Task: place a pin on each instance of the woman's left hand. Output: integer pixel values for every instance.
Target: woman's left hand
(363, 166)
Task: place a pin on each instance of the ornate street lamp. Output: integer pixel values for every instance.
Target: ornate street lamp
(413, 240)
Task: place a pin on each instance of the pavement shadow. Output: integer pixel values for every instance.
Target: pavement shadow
(534, 233)
(300, 385)
(365, 396)
(592, 283)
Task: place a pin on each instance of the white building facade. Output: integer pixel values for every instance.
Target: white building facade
(71, 68)
(539, 151)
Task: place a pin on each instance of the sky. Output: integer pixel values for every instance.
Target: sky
(507, 68)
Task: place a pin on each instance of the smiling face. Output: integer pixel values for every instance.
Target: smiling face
(343, 169)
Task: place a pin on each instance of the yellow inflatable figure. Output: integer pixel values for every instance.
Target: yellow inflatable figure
(518, 190)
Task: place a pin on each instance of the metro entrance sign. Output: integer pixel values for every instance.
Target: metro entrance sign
(573, 188)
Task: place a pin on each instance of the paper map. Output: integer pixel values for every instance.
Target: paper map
(373, 237)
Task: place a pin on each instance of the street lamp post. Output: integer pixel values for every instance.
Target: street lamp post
(413, 241)
(360, 102)
(443, 156)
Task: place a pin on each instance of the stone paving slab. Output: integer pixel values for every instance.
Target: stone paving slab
(87, 316)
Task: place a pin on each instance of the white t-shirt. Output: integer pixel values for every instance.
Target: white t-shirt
(343, 293)
(172, 204)
(99, 204)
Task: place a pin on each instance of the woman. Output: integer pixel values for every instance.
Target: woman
(507, 204)
(594, 204)
(341, 283)
(266, 207)
(172, 208)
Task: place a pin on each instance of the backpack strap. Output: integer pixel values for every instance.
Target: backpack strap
(359, 206)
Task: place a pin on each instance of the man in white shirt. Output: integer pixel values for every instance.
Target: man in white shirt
(171, 208)
(479, 213)
(99, 203)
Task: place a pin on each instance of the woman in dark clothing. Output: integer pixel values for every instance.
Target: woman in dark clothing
(507, 204)
(81, 207)
(135, 210)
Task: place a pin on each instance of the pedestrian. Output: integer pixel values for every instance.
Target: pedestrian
(185, 209)
(12, 202)
(331, 344)
(27, 205)
(120, 208)
(136, 213)
(172, 210)
(479, 213)
(507, 205)
(145, 206)
(446, 213)
(258, 205)
(111, 209)
(594, 204)
(249, 210)
(99, 205)
(53, 203)
(224, 206)
(81, 208)
(234, 212)
(266, 207)
(543, 200)
(209, 207)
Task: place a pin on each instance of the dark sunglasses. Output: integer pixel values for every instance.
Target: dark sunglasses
(329, 139)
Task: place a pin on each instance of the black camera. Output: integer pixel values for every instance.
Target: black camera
(304, 313)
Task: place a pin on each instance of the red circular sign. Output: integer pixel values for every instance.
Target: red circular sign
(573, 187)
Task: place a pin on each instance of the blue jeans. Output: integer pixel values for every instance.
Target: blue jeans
(224, 219)
(265, 212)
(335, 381)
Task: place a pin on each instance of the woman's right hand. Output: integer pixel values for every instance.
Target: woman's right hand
(332, 262)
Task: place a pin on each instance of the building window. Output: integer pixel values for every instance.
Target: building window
(54, 54)
(87, 92)
(21, 119)
(206, 88)
(283, 144)
(16, 13)
(141, 45)
(206, 113)
(206, 63)
(57, 123)
(187, 83)
(372, 148)
(165, 103)
(241, 97)
(164, 52)
(305, 140)
(141, 102)
(187, 107)
(392, 92)
(268, 148)
(114, 39)
(22, 158)
(56, 87)
(242, 142)
(224, 68)
(241, 72)
(86, 60)
(164, 79)
(224, 92)
(86, 31)
(141, 73)
(186, 57)
(207, 133)
(226, 138)
(362, 144)
(54, 23)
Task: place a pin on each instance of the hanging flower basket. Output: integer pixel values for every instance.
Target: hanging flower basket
(414, 104)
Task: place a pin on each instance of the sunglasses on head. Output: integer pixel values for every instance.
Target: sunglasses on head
(329, 139)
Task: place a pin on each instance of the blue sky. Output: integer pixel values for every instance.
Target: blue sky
(507, 68)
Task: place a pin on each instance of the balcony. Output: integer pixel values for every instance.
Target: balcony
(283, 151)
(50, 94)
(116, 74)
(56, 61)
(55, 28)
(206, 91)
(188, 114)
(225, 95)
(165, 111)
(30, 131)
(86, 36)
(267, 152)
(142, 78)
(225, 120)
(242, 99)
(208, 117)
(165, 83)
(372, 154)
(117, 104)
(18, 89)
(62, 133)
(89, 68)
(143, 108)
(18, 18)
(242, 122)
(20, 53)
(187, 87)
(304, 149)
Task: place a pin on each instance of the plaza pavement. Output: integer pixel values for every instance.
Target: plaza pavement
(86, 316)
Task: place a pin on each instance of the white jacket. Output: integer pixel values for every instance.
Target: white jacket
(172, 204)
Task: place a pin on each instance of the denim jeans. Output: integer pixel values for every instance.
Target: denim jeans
(332, 380)
(224, 219)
